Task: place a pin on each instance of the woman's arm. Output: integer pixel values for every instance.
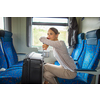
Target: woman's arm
(45, 46)
(55, 44)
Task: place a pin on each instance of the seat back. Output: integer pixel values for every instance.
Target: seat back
(7, 43)
(79, 47)
(90, 55)
(3, 62)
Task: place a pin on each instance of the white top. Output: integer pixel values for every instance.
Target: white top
(60, 52)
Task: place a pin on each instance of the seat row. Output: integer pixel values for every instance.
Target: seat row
(86, 55)
(10, 67)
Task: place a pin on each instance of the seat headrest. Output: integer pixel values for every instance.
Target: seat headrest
(80, 37)
(93, 36)
(4, 33)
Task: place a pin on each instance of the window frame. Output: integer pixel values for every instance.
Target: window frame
(48, 23)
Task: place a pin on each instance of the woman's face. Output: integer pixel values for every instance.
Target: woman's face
(51, 35)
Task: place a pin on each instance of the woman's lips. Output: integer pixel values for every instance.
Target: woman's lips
(48, 38)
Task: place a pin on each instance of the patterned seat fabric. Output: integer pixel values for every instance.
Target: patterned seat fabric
(3, 63)
(89, 59)
(11, 75)
(9, 50)
(79, 47)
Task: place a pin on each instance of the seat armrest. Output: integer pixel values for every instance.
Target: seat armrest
(21, 54)
(89, 71)
(85, 70)
(98, 69)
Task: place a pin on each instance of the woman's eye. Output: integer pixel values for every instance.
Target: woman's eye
(50, 33)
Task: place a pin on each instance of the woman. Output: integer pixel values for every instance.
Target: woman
(67, 66)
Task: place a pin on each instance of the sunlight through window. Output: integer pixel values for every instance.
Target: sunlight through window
(41, 25)
(1, 23)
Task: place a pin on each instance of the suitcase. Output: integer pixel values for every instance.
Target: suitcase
(32, 72)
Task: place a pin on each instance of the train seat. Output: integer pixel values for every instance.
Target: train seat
(11, 75)
(88, 61)
(79, 47)
(8, 75)
(9, 50)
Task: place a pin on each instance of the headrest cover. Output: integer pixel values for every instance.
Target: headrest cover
(98, 33)
(93, 36)
(4, 33)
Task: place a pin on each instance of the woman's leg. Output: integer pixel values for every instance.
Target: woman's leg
(50, 71)
(50, 77)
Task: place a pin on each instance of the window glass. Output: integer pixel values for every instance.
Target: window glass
(41, 30)
(1, 23)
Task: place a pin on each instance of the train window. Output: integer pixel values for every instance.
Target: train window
(40, 26)
(1, 23)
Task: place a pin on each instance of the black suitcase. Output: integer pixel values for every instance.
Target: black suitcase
(32, 72)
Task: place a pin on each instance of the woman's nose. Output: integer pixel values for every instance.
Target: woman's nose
(48, 36)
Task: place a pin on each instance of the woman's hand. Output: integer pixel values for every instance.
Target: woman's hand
(45, 46)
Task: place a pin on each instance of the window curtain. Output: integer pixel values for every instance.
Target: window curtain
(7, 23)
(28, 31)
(72, 32)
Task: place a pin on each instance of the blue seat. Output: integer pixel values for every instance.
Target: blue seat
(3, 62)
(79, 47)
(9, 50)
(11, 75)
(88, 61)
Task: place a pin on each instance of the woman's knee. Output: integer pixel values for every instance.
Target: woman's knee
(46, 66)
